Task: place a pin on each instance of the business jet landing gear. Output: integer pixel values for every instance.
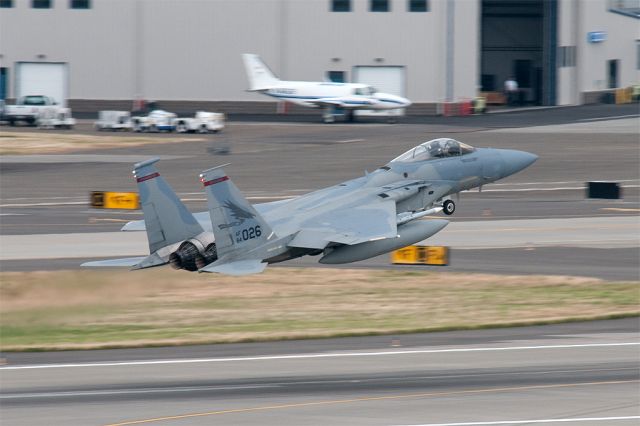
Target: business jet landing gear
(448, 207)
(327, 115)
(351, 116)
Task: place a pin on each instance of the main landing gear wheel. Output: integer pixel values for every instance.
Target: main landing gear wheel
(448, 207)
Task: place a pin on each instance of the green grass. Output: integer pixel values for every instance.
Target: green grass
(91, 309)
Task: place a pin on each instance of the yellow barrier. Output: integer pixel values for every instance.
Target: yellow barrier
(624, 95)
(115, 200)
(421, 255)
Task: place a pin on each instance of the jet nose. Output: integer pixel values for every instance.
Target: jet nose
(405, 101)
(396, 100)
(515, 161)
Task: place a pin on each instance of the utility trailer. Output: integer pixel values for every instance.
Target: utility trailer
(113, 120)
(55, 118)
(204, 122)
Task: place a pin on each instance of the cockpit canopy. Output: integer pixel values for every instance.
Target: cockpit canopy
(364, 91)
(434, 149)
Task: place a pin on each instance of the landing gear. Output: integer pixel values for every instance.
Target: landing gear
(327, 115)
(351, 116)
(448, 207)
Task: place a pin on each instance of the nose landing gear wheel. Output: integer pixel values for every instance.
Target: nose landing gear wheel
(448, 207)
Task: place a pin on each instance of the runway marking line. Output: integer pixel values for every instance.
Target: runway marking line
(522, 422)
(368, 399)
(619, 209)
(313, 355)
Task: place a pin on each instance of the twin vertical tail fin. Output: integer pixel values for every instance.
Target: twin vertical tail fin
(259, 75)
(237, 226)
(167, 219)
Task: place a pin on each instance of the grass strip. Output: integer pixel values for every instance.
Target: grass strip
(88, 309)
(46, 142)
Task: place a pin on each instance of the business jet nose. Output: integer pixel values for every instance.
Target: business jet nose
(393, 100)
(515, 161)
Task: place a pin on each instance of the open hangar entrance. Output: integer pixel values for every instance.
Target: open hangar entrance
(518, 39)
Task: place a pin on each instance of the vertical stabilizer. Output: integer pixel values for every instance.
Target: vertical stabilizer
(236, 225)
(259, 75)
(167, 219)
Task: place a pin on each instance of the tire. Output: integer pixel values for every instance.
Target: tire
(448, 207)
(203, 129)
(181, 127)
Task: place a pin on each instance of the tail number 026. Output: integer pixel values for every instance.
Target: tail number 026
(249, 233)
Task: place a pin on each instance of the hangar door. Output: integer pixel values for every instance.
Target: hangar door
(384, 79)
(42, 78)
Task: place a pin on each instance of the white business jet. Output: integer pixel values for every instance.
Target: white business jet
(318, 94)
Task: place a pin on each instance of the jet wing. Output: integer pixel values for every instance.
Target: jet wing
(353, 225)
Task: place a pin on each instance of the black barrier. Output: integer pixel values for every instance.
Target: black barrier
(97, 199)
(608, 190)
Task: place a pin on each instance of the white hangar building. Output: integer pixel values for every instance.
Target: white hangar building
(186, 54)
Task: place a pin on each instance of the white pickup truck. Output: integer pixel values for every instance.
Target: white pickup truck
(28, 109)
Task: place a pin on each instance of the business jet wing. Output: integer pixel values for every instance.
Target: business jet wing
(350, 102)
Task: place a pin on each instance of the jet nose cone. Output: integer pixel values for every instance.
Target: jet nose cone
(395, 100)
(516, 161)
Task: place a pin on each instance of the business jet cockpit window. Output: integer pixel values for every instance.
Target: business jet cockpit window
(434, 149)
(365, 91)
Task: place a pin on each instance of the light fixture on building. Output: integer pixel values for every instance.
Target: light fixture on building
(378, 60)
(41, 56)
(335, 59)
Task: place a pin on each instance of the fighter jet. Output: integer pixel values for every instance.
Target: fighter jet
(348, 222)
(325, 95)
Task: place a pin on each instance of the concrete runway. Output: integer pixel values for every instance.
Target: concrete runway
(578, 373)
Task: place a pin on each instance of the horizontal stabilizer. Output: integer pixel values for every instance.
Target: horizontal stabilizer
(131, 262)
(241, 267)
(134, 225)
(113, 263)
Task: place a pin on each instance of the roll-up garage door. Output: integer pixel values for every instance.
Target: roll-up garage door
(41, 78)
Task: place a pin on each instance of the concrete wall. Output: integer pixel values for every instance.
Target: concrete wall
(190, 49)
(588, 79)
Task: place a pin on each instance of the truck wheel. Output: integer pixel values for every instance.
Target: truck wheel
(203, 129)
(181, 127)
(12, 122)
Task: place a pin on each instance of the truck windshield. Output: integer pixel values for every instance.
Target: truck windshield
(436, 148)
(34, 100)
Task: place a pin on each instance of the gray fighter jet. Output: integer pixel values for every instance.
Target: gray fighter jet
(348, 222)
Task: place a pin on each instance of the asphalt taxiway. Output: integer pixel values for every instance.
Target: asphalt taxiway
(553, 374)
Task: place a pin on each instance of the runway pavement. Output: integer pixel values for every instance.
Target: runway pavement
(582, 372)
